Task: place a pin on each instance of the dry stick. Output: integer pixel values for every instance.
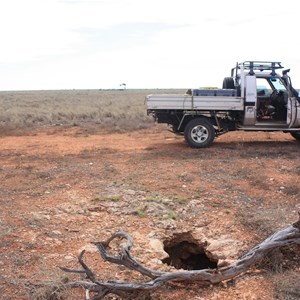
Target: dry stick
(125, 257)
(284, 237)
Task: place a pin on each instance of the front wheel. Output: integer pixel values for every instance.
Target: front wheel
(296, 135)
(199, 133)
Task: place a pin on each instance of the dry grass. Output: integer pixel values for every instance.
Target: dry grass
(118, 110)
(287, 286)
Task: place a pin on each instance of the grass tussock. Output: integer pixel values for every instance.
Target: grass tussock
(287, 286)
(116, 110)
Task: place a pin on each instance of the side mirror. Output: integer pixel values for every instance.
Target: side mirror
(284, 72)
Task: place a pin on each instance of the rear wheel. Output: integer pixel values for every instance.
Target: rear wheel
(199, 133)
(296, 135)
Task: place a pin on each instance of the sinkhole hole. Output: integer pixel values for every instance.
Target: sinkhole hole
(187, 253)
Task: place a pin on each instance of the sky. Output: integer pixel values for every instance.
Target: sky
(100, 44)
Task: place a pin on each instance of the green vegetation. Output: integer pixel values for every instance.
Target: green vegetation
(181, 200)
(141, 211)
(114, 198)
(171, 215)
(154, 198)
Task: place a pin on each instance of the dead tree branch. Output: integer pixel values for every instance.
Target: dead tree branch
(284, 237)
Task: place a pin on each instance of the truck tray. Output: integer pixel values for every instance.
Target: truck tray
(188, 102)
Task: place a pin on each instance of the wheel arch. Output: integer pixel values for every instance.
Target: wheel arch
(189, 117)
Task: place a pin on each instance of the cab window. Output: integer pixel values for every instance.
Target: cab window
(263, 87)
(278, 84)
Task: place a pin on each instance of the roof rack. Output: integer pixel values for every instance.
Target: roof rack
(261, 66)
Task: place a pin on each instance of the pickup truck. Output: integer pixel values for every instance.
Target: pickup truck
(254, 98)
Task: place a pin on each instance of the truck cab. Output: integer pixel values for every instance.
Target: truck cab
(270, 100)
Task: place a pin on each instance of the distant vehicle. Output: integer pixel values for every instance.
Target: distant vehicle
(253, 98)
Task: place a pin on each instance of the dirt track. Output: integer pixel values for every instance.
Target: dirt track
(62, 188)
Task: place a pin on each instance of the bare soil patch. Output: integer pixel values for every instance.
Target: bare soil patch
(64, 187)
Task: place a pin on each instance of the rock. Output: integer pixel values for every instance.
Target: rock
(131, 192)
(167, 224)
(153, 263)
(95, 214)
(56, 232)
(166, 201)
(69, 258)
(198, 235)
(225, 262)
(158, 247)
(223, 249)
(152, 234)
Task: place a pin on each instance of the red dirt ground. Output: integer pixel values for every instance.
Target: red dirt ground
(62, 188)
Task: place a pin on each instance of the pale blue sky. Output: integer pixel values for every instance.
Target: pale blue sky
(94, 44)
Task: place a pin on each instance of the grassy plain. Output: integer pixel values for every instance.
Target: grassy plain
(116, 110)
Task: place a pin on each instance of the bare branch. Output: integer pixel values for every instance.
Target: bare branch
(287, 236)
(124, 258)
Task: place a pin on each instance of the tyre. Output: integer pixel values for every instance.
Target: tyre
(228, 83)
(296, 135)
(199, 133)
